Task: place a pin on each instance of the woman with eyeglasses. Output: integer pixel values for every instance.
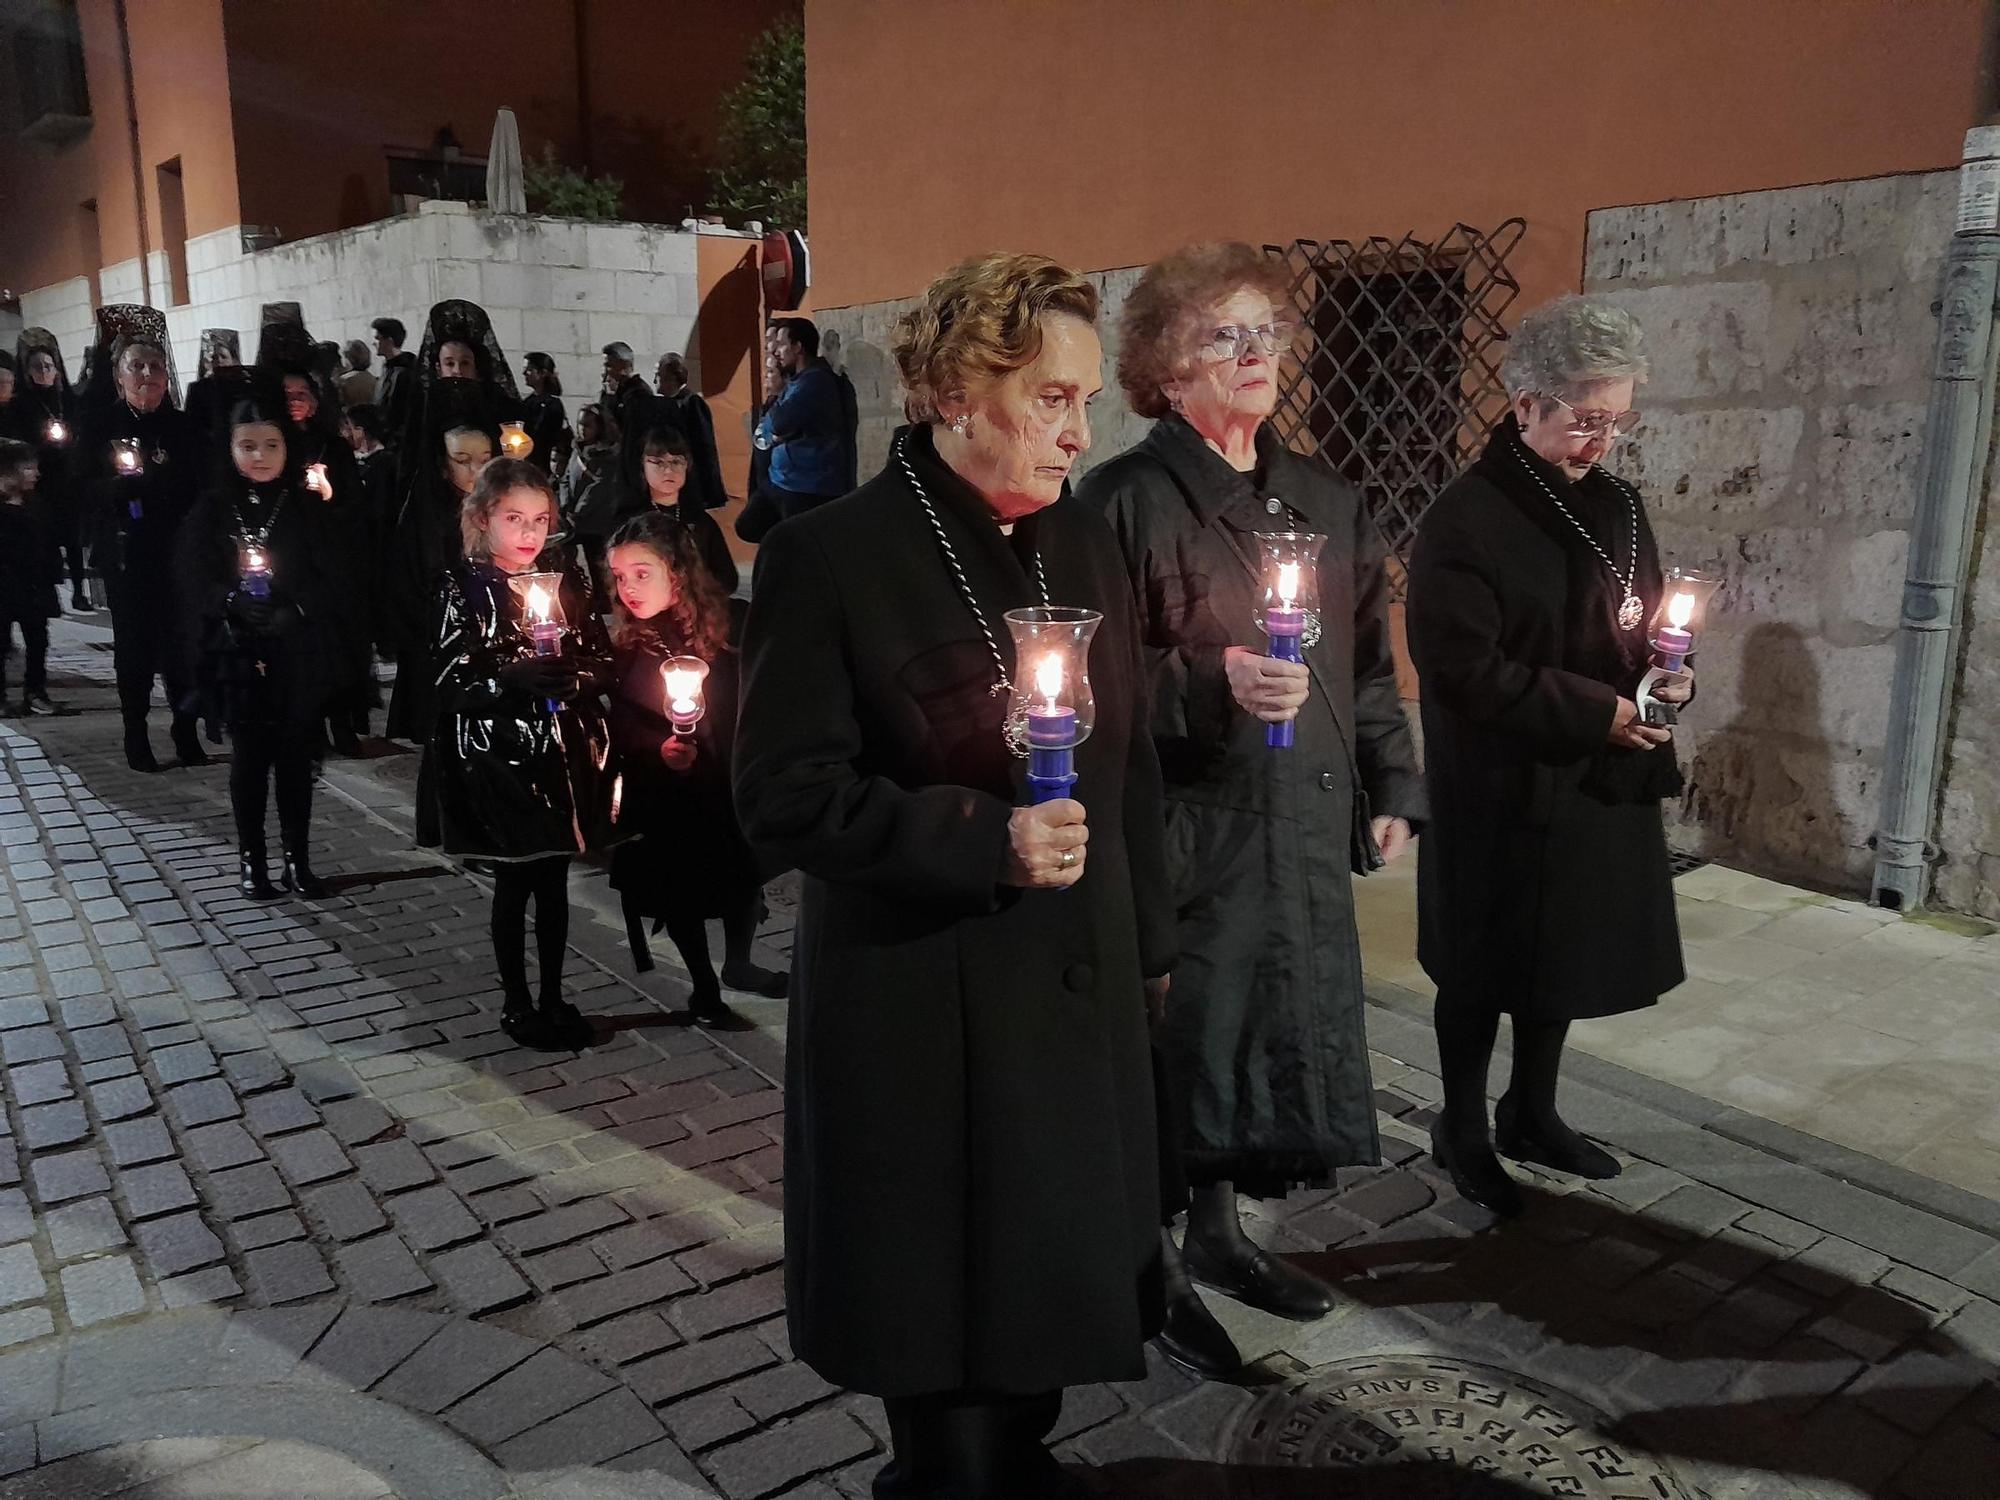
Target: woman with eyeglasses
(1544, 892)
(1265, 1059)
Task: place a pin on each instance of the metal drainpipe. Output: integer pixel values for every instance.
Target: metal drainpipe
(138, 159)
(1957, 437)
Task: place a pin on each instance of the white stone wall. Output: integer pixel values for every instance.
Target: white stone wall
(1791, 333)
(558, 285)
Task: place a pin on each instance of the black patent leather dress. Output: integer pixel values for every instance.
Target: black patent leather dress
(505, 777)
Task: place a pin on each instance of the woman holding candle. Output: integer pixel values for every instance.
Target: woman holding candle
(45, 415)
(972, 1204)
(518, 770)
(30, 567)
(1267, 1055)
(1545, 892)
(690, 862)
(254, 557)
(136, 469)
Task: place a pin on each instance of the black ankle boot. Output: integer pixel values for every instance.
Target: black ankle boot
(139, 750)
(1474, 1170)
(299, 878)
(1557, 1146)
(187, 741)
(254, 881)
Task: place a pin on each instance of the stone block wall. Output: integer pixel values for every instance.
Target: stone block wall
(1791, 334)
(558, 285)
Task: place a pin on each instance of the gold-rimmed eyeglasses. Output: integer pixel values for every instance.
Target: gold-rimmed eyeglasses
(1230, 340)
(1597, 424)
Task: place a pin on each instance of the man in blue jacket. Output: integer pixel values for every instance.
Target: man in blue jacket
(809, 442)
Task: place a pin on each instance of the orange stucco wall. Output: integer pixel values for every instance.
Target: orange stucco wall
(179, 75)
(1105, 132)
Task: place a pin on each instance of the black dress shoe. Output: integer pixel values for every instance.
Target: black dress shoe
(346, 744)
(527, 1027)
(253, 880)
(772, 984)
(1197, 1343)
(1476, 1173)
(1260, 1280)
(1562, 1149)
(299, 877)
(187, 743)
(566, 1024)
(139, 752)
(708, 1011)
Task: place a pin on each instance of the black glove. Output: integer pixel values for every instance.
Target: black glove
(540, 677)
(250, 612)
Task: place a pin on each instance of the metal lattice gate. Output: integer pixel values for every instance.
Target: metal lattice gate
(1396, 380)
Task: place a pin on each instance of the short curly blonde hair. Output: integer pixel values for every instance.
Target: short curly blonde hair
(1162, 323)
(980, 321)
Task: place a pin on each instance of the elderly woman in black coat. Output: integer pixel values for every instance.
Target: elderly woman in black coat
(1545, 892)
(972, 1206)
(1265, 1049)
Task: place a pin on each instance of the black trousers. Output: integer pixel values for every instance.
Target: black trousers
(143, 646)
(35, 639)
(263, 751)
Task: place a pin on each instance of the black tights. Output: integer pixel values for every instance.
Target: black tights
(1467, 1026)
(690, 936)
(546, 880)
(263, 752)
(976, 1444)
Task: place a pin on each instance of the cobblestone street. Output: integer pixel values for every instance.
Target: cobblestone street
(282, 1213)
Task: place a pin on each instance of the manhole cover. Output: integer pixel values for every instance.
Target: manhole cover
(1456, 1417)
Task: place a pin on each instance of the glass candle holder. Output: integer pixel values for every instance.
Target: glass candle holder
(540, 598)
(514, 440)
(318, 482)
(56, 434)
(1288, 565)
(681, 679)
(1051, 709)
(1677, 624)
(253, 570)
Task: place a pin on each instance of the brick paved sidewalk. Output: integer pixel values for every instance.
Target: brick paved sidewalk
(277, 1199)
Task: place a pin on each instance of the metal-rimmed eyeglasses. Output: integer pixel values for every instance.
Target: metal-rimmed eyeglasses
(1230, 340)
(1597, 424)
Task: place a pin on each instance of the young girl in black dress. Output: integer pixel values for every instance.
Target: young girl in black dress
(518, 769)
(690, 862)
(253, 557)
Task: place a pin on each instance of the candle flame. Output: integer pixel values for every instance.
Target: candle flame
(1680, 609)
(254, 558)
(682, 685)
(1049, 678)
(1288, 583)
(538, 601)
(514, 438)
(57, 432)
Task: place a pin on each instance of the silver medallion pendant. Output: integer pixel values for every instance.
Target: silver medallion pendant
(1630, 613)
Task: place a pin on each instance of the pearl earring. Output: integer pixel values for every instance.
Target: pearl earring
(960, 424)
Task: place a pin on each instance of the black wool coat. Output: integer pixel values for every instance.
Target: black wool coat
(972, 1196)
(1264, 1033)
(1544, 884)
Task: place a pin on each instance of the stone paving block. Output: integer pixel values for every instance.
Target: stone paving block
(175, 1245)
(357, 1121)
(219, 1147)
(547, 1385)
(790, 1388)
(432, 1218)
(562, 1225)
(95, 1291)
(39, 1083)
(1872, 1325)
(253, 1072)
(101, 1044)
(309, 1156)
(84, 1227)
(276, 1113)
(184, 1063)
(600, 1430)
(594, 1301)
(152, 1191)
(70, 1174)
(134, 1143)
(684, 1372)
(773, 1460)
(263, 1346)
(203, 1103)
(46, 1126)
(121, 1099)
(267, 1229)
(242, 1192)
(478, 1279)
(1926, 1291)
(704, 1421)
(366, 1343)
(381, 1269)
(287, 1273)
(1915, 1390)
(83, 1011)
(30, 1044)
(393, 1166)
(162, 1353)
(344, 1210)
(20, 1276)
(25, 1324)
(17, 1220)
(22, 1010)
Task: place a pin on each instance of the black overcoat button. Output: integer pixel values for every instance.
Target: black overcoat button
(1079, 978)
(1328, 781)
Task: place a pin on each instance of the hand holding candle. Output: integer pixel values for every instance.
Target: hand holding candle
(1676, 625)
(317, 481)
(1290, 618)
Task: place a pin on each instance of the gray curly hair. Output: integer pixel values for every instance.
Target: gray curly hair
(1573, 341)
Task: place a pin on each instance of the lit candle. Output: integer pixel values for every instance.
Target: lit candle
(1051, 735)
(317, 481)
(1285, 623)
(256, 571)
(1674, 640)
(682, 677)
(56, 433)
(128, 461)
(544, 630)
(514, 440)
(1677, 621)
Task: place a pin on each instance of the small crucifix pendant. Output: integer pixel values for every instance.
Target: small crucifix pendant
(1630, 612)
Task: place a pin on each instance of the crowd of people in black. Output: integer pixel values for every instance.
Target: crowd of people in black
(1026, 1035)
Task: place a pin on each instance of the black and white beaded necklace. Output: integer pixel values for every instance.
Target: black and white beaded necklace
(1005, 684)
(1631, 610)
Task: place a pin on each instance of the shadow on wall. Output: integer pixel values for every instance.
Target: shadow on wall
(1761, 788)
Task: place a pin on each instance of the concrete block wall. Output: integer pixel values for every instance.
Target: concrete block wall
(558, 285)
(1791, 334)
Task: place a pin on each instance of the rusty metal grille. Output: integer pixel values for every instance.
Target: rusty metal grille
(1395, 382)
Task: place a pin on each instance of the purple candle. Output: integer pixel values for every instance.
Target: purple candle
(1051, 736)
(1285, 623)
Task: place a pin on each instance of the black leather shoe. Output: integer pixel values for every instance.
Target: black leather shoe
(139, 751)
(566, 1024)
(526, 1026)
(1260, 1280)
(187, 743)
(1476, 1173)
(252, 879)
(299, 878)
(1566, 1151)
(772, 984)
(1197, 1343)
(709, 1012)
